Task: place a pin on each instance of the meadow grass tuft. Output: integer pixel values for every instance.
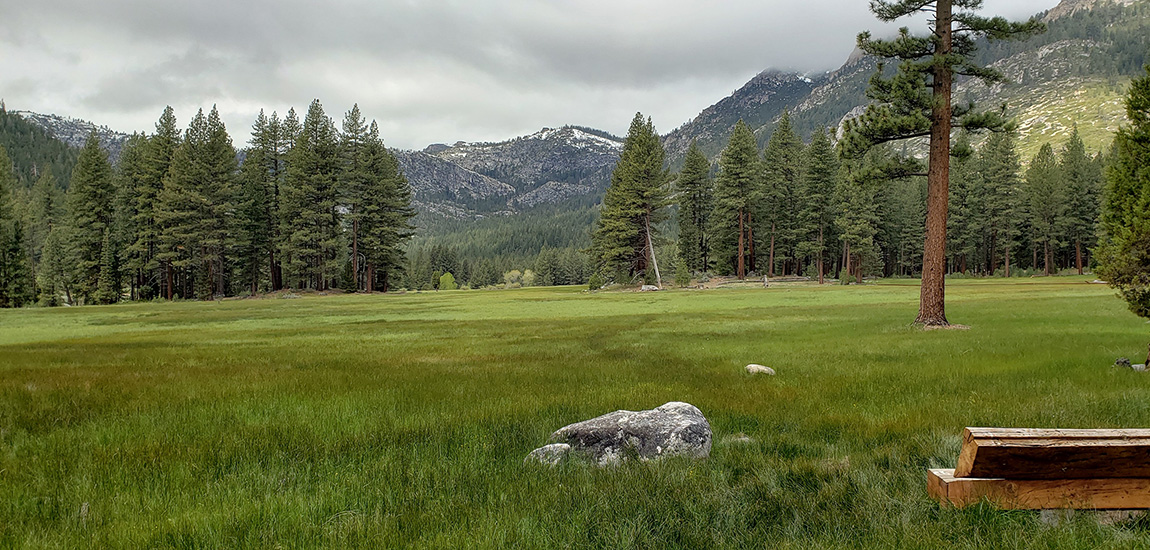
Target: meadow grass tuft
(402, 420)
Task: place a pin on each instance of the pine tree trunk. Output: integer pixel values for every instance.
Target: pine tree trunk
(1078, 255)
(1008, 262)
(846, 263)
(739, 269)
(1034, 262)
(651, 247)
(1046, 258)
(820, 255)
(168, 268)
(355, 253)
(771, 260)
(932, 298)
(750, 242)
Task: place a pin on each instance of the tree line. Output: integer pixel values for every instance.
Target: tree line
(185, 215)
(806, 208)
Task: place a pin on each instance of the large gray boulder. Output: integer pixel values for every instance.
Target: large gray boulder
(673, 429)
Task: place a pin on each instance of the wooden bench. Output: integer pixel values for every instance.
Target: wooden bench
(1037, 469)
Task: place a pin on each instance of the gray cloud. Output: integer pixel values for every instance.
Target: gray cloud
(428, 71)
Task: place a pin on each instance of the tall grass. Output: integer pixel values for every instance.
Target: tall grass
(402, 421)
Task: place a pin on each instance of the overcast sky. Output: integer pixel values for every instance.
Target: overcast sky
(427, 70)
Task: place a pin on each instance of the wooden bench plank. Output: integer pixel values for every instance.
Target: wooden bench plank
(1020, 454)
(1040, 494)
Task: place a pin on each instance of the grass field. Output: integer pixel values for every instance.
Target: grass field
(403, 420)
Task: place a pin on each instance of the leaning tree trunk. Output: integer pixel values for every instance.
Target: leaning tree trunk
(932, 296)
(651, 247)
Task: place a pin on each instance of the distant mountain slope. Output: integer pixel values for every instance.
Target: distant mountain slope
(32, 149)
(74, 132)
(1073, 74)
(476, 179)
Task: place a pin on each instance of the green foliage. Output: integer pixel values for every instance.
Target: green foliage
(447, 282)
(633, 206)
(1124, 251)
(682, 275)
(696, 202)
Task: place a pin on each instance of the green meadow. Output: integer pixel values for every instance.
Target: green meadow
(389, 421)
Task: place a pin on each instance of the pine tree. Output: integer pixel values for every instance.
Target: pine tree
(132, 178)
(783, 200)
(90, 216)
(999, 166)
(43, 213)
(916, 102)
(354, 180)
(196, 207)
(155, 278)
(256, 206)
(109, 287)
(310, 239)
(1046, 197)
(819, 180)
(696, 201)
(964, 221)
(54, 275)
(385, 213)
(624, 239)
(737, 190)
(1124, 251)
(856, 218)
(1083, 179)
(15, 276)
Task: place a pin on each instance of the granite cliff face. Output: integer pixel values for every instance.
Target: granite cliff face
(547, 167)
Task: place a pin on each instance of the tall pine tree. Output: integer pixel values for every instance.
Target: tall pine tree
(90, 204)
(696, 198)
(16, 284)
(1083, 190)
(782, 188)
(738, 188)
(309, 230)
(1046, 197)
(819, 180)
(916, 102)
(623, 242)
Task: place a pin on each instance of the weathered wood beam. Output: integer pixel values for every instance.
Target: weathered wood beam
(1021, 453)
(1040, 494)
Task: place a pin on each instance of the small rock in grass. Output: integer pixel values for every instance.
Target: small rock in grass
(549, 455)
(648, 288)
(1138, 368)
(673, 429)
(760, 369)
